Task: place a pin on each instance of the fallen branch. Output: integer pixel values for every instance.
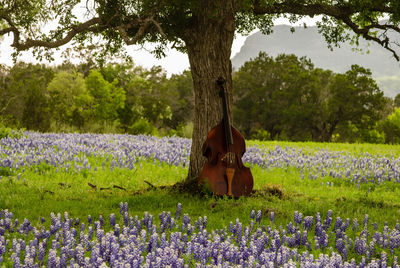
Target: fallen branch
(62, 184)
(92, 185)
(105, 188)
(48, 191)
(151, 185)
(119, 187)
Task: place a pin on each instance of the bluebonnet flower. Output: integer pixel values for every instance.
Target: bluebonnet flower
(308, 222)
(298, 217)
(53, 260)
(272, 217)
(83, 226)
(355, 225)
(291, 229)
(345, 225)
(338, 223)
(232, 228)
(340, 245)
(126, 219)
(178, 210)
(125, 150)
(366, 219)
(258, 217)
(112, 219)
(117, 230)
(327, 223)
(304, 238)
(186, 219)
(244, 245)
(360, 246)
(252, 214)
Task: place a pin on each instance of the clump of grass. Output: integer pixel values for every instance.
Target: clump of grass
(274, 190)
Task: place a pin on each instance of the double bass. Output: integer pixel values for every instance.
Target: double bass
(224, 172)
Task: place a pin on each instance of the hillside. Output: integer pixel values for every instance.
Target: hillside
(308, 42)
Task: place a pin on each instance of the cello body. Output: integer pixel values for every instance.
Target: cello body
(224, 172)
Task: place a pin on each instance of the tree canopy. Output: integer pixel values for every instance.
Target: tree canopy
(170, 22)
(290, 99)
(204, 29)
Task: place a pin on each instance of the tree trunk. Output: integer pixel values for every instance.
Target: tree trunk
(209, 44)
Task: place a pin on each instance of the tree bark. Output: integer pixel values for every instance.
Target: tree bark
(209, 43)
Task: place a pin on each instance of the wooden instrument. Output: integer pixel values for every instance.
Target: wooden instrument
(224, 172)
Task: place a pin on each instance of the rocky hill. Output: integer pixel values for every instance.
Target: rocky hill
(308, 42)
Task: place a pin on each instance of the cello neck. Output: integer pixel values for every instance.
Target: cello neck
(227, 126)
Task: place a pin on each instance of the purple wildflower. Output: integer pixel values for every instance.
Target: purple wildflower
(258, 217)
(272, 217)
(178, 210)
(112, 219)
(308, 222)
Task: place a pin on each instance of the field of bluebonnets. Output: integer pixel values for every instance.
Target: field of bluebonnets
(87, 200)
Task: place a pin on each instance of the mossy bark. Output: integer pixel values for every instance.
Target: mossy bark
(208, 44)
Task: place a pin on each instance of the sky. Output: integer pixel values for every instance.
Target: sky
(174, 63)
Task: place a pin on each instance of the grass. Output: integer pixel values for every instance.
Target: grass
(39, 191)
(353, 148)
(37, 194)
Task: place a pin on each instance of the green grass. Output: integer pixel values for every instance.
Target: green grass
(353, 148)
(281, 191)
(38, 192)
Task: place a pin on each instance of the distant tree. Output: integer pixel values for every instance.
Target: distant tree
(132, 110)
(391, 127)
(152, 95)
(388, 107)
(5, 100)
(121, 72)
(124, 73)
(182, 105)
(25, 90)
(397, 101)
(107, 97)
(277, 95)
(255, 97)
(290, 99)
(299, 96)
(355, 99)
(67, 98)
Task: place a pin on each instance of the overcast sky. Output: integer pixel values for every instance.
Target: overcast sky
(174, 63)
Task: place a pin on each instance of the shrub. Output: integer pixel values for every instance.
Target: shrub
(391, 127)
(9, 132)
(261, 135)
(141, 126)
(373, 136)
(185, 130)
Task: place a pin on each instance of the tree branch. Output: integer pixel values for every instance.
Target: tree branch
(5, 31)
(342, 12)
(84, 27)
(144, 25)
(133, 40)
(91, 25)
(364, 32)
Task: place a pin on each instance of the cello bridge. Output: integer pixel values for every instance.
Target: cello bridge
(229, 158)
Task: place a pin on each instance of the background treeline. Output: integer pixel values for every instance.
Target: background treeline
(285, 98)
(117, 98)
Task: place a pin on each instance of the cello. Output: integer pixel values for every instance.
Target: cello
(224, 172)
